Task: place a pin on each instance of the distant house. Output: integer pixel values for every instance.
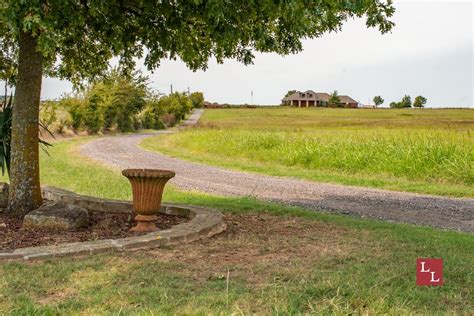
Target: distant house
(311, 98)
(214, 105)
(348, 102)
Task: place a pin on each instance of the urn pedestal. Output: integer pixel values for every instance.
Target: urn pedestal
(147, 189)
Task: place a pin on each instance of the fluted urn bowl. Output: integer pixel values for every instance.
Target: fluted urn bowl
(147, 189)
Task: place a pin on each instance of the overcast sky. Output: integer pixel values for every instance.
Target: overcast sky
(429, 53)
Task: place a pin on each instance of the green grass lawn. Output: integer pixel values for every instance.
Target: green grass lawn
(280, 260)
(425, 151)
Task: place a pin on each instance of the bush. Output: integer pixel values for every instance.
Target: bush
(129, 100)
(197, 99)
(75, 107)
(124, 103)
(62, 124)
(166, 111)
(178, 104)
(404, 103)
(110, 116)
(128, 106)
(122, 97)
(48, 113)
(169, 119)
(93, 120)
(151, 117)
(137, 124)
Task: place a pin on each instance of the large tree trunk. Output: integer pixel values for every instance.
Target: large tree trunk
(25, 191)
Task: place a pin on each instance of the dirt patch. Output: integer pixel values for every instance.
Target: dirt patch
(262, 250)
(56, 296)
(254, 246)
(102, 226)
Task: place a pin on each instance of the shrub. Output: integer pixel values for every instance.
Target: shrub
(166, 110)
(123, 102)
(110, 116)
(178, 104)
(151, 117)
(137, 124)
(128, 106)
(197, 99)
(62, 124)
(169, 119)
(404, 103)
(122, 97)
(92, 118)
(129, 99)
(48, 113)
(75, 106)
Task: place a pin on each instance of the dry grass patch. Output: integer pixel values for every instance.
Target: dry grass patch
(256, 246)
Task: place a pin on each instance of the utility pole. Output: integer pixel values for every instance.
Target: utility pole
(171, 88)
(188, 91)
(251, 97)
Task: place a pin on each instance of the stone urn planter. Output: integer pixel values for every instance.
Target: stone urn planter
(147, 189)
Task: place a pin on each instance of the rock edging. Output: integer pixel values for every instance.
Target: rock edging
(204, 223)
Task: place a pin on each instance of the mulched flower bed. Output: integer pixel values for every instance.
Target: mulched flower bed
(102, 226)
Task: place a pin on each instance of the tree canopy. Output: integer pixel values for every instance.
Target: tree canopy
(419, 102)
(334, 99)
(78, 38)
(404, 103)
(378, 100)
(8, 67)
(290, 92)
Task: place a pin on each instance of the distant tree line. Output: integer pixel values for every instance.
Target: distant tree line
(406, 102)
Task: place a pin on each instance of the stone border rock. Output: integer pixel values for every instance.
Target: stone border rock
(204, 223)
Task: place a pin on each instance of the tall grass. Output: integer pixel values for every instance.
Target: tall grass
(419, 155)
(286, 118)
(426, 151)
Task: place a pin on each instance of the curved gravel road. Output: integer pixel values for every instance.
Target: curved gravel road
(451, 213)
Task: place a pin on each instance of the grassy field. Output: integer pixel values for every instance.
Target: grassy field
(280, 260)
(426, 151)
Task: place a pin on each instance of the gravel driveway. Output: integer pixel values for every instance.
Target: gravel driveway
(451, 213)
